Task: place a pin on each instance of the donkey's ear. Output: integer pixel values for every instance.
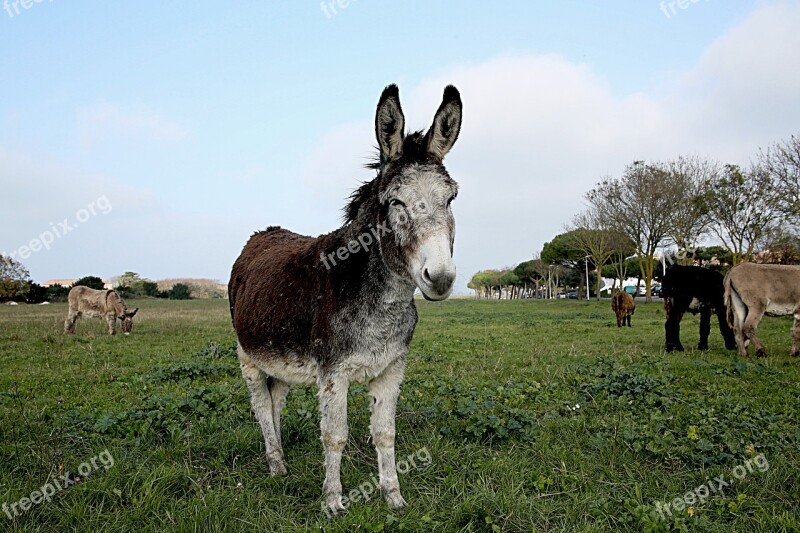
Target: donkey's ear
(390, 124)
(446, 124)
(133, 313)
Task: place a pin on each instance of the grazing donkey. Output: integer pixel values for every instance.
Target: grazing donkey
(623, 306)
(100, 304)
(339, 308)
(753, 290)
(696, 290)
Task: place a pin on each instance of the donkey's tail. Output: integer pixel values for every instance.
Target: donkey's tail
(728, 298)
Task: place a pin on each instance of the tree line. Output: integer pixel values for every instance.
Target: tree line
(17, 285)
(747, 213)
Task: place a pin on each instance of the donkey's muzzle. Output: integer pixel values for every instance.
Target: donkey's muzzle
(438, 283)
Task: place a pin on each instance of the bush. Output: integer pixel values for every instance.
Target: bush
(36, 293)
(180, 291)
(93, 282)
(57, 293)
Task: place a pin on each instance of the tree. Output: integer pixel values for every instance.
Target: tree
(14, 278)
(639, 204)
(692, 178)
(131, 285)
(782, 162)
(624, 249)
(782, 248)
(180, 291)
(563, 251)
(530, 272)
(484, 283)
(57, 293)
(745, 208)
(594, 240)
(36, 293)
(93, 282)
(146, 287)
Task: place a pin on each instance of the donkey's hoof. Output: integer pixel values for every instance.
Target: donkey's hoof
(396, 501)
(334, 505)
(278, 470)
(393, 498)
(795, 354)
(761, 353)
(276, 466)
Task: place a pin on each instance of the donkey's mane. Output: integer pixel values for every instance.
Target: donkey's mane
(414, 151)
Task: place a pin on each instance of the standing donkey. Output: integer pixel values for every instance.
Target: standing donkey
(99, 304)
(753, 290)
(339, 308)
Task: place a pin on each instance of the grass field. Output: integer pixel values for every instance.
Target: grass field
(514, 416)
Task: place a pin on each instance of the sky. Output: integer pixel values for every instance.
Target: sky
(156, 137)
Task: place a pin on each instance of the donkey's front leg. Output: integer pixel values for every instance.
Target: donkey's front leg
(384, 391)
(333, 422)
(112, 324)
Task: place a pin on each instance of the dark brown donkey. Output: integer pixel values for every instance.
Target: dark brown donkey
(339, 308)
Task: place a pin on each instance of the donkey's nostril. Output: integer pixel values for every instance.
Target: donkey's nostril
(426, 276)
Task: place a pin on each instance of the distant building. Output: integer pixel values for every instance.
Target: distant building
(69, 282)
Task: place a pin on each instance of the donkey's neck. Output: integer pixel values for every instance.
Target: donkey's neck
(377, 281)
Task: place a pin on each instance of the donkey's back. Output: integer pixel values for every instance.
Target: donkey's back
(270, 290)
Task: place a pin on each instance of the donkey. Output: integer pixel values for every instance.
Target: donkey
(696, 290)
(100, 304)
(753, 290)
(623, 306)
(340, 308)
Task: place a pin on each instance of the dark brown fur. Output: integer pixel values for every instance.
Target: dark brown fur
(623, 306)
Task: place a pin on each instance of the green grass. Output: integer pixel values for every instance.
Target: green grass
(523, 416)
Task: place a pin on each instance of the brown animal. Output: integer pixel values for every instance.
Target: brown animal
(98, 304)
(623, 306)
(751, 291)
(339, 308)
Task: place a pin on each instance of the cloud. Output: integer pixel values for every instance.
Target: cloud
(540, 131)
(113, 227)
(100, 122)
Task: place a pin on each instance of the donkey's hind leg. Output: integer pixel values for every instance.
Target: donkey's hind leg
(754, 316)
(69, 323)
(739, 316)
(261, 400)
(278, 390)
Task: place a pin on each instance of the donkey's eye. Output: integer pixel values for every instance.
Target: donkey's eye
(396, 203)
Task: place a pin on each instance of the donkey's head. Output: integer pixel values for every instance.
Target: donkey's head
(127, 320)
(414, 193)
